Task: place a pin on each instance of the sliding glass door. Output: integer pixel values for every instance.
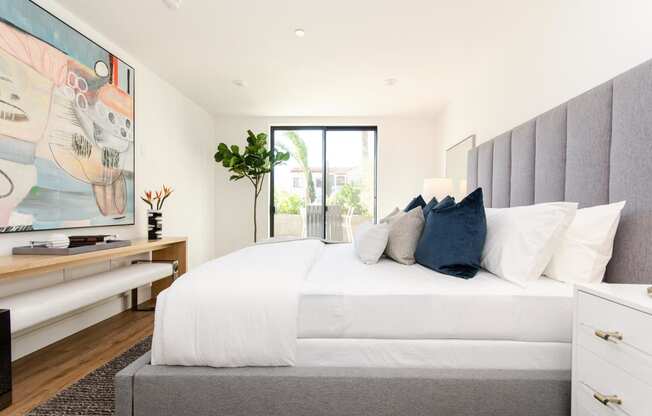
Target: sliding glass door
(297, 185)
(328, 187)
(350, 181)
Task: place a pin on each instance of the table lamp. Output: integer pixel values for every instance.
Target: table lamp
(439, 188)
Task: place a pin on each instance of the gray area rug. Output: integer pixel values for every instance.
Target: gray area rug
(94, 394)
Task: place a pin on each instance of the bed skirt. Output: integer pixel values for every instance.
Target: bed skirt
(143, 389)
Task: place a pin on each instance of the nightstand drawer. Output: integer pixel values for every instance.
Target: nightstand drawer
(620, 354)
(587, 405)
(610, 321)
(605, 381)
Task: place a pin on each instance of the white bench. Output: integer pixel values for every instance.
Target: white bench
(37, 306)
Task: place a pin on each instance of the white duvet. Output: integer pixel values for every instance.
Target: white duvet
(238, 310)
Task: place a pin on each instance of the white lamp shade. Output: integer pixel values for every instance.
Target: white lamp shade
(439, 188)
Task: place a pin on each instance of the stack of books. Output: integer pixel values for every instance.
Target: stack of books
(61, 241)
(58, 245)
(89, 240)
(55, 241)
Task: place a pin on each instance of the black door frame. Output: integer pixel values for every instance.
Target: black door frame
(324, 130)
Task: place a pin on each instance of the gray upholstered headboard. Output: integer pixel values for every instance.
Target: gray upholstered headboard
(594, 149)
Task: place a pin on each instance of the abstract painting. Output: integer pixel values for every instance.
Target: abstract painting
(66, 126)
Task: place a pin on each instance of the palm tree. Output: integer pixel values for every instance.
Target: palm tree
(300, 154)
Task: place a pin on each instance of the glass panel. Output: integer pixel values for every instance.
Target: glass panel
(350, 184)
(298, 184)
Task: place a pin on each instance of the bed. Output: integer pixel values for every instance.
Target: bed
(403, 339)
(376, 339)
(392, 315)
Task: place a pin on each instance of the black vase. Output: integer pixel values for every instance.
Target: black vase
(154, 225)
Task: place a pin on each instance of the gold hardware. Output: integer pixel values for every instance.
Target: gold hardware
(605, 400)
(649, 291)
(609, 335)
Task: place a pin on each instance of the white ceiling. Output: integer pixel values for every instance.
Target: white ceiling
(338, 69)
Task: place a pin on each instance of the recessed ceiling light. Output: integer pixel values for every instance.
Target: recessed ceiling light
(300, 33)
(173, 4)
(390, 82)
(240, 83)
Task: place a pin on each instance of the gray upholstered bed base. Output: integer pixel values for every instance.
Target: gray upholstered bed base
(145, 390)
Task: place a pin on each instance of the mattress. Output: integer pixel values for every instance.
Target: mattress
(344, 298)
(437, 353)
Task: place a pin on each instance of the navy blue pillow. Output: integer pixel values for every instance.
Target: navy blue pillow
(454, 236)
(426, 210)
(416, 202)
(448, 201)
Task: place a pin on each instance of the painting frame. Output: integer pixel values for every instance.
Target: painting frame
(129, 193)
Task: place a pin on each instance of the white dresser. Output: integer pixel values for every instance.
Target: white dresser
(612, 350)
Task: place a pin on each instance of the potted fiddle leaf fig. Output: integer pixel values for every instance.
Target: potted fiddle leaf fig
(253, 163)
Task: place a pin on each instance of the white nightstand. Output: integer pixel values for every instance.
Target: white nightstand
(612, 350)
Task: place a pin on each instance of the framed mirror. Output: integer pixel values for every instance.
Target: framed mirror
(456, 163)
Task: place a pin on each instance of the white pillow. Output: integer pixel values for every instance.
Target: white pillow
(522, 240)
(370, 241)
(587, 246)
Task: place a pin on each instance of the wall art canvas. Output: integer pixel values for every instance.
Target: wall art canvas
(66, 126)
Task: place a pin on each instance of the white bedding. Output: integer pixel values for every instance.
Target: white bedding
(238, 310)
(433, 353)
(344, 298)
(252, 308)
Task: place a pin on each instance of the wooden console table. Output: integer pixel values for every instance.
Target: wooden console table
(170, 248)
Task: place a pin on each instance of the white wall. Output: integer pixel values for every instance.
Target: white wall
(556, 51)
(174, 144)
(408, 151)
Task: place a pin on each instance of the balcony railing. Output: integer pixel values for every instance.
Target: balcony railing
(340, 224)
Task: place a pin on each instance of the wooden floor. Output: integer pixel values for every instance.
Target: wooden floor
(42, 374)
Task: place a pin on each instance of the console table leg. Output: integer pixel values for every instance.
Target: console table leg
(176, 252)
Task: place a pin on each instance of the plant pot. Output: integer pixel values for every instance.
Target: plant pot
(154, 225)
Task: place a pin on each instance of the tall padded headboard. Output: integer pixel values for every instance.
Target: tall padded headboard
(595, 149)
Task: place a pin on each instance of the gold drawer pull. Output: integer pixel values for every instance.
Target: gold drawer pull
(609, 335)
(605, 400)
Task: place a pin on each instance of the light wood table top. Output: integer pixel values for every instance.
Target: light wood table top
(23, 265)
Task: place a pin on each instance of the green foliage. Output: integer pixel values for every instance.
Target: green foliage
(300, 154)
(253, 163)
(347, 197)
(288, 203)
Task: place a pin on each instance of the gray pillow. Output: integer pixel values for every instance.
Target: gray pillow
(370, 241)
(405, 229)
(390, 215)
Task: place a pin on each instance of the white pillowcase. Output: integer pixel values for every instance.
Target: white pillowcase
(370, 241)
(522, 240)
(587, 246)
